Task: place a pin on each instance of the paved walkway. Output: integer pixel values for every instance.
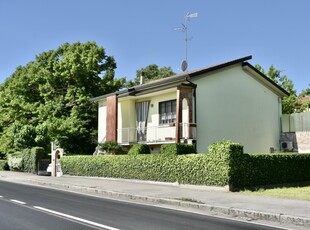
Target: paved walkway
(211, 200)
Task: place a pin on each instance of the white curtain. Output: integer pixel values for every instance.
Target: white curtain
(142, 110)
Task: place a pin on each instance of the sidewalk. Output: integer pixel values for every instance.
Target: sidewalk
(209, 200)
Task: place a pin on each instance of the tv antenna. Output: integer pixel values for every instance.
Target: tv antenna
(184, 28)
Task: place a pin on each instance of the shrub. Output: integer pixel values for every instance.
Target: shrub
(15, 161)
(139, 149)
(111, 147)
(4, 165)
(187, 169)
(226, 164)
(176, 149)
(27, 160)
(2, 156)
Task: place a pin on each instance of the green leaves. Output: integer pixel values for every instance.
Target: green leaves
(48, 99)
(153, 72)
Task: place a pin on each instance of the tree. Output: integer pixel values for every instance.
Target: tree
(306, 104)
(153, 72)
(288, 103)
(48, 99)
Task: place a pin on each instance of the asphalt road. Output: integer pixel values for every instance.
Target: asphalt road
(30, 207)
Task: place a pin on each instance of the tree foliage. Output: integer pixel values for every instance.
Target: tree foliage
(48, 99)
(288, 103)
(153, 72)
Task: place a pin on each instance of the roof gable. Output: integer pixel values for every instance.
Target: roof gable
(174, 80)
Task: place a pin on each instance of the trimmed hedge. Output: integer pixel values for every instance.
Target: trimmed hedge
(27, 160)
(139, 149)
(176, 149)
(251, 170)
(186, 169)
(226, 164)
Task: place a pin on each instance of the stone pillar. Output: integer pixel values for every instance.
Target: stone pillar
(111, 119)
(56, 168)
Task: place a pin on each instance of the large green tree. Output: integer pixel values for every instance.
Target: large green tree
(289, 103)
(153, 72)
(48, 99)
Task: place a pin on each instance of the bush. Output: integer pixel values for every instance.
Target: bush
(15, 161)
(269, 169)
(2, 156)
(226, 164)
(27, 160)
(187, 169)
(111, 147)
(4, 165)
(176, 149)
(139, 149)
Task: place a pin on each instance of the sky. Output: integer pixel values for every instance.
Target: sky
(139, 33)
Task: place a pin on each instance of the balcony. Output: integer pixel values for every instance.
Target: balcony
(156, 134)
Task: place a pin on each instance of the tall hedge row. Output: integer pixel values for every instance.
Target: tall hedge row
(226, 164)
(187, 169)
(269, 169)
(27, 160)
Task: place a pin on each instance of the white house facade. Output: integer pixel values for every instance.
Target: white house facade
(229, 101)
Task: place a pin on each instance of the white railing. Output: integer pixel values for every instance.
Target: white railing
(155, 134)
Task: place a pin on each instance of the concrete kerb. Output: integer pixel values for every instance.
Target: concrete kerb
(209, 209)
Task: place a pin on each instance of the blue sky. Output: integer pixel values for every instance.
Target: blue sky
(139, 33)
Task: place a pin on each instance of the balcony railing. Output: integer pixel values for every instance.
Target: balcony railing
(155, 134)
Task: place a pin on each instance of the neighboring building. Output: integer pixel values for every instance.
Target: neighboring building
(303, 104)
(228, 101)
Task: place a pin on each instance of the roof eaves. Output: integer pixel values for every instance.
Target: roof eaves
(219, 66)
(99, 98)
(284, 92)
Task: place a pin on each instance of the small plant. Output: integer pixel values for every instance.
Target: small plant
(139, 149)
(111, 148)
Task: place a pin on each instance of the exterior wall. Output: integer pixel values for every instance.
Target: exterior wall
(156, 131)
(127, 120)
(102, 116)
(231, 105)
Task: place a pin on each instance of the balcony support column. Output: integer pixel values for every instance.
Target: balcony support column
(111, 120)
(183, 92)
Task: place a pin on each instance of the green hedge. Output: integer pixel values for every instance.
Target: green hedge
(4, 165)
(27, 160)
(176, 149)
(186, 169)
(251, 170)
(226, 164)
(139, 149)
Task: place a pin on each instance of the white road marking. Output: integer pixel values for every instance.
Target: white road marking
(1, 196)
(17, 201)
(76, 218)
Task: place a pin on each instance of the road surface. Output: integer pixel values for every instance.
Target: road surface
(31, 207)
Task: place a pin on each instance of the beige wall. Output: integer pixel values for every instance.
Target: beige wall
(102, 116)
(231, 105)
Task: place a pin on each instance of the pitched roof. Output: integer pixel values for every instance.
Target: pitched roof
(179, 78)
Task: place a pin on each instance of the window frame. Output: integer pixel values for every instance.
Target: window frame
(167, 112)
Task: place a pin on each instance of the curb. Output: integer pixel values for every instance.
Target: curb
(210, 209)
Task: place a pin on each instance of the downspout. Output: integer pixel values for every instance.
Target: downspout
(194, 86)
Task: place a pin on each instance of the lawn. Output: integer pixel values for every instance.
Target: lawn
(297, 193)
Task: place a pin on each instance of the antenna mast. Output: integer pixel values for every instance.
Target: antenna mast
(184, 29)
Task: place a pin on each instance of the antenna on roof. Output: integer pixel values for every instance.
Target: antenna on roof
(184, 29)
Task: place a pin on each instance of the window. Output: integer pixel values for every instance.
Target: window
(167, 112)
